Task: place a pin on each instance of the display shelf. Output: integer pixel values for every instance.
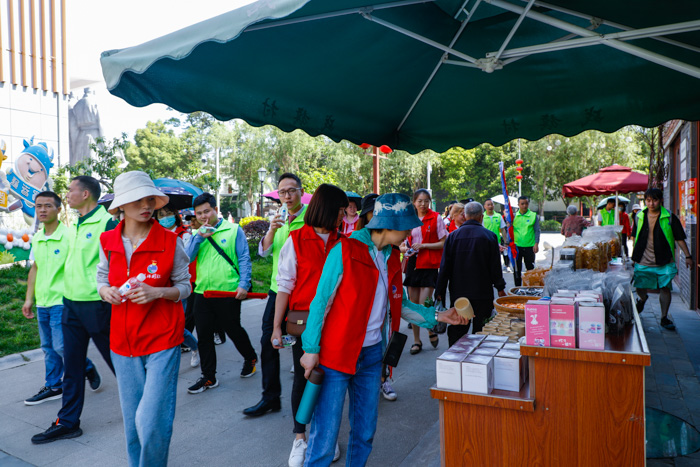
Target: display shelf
(498, 398)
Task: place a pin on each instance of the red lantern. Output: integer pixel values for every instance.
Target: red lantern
(385, 149)
(519, 169)
(518, 161)
(365, 145)
(518, 177)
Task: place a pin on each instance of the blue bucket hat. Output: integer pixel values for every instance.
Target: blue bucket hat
(394, 211)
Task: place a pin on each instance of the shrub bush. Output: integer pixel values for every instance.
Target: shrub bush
(247, 220)
(255, 230)
(550, 226)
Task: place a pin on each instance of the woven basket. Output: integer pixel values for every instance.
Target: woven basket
(500, 301)
(512, 290)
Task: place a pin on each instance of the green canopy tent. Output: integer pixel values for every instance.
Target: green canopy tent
(417, 74)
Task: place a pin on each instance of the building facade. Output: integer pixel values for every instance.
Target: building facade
(34, 83)
(681, 156)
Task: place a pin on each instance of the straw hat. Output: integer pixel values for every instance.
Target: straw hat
(132, 186)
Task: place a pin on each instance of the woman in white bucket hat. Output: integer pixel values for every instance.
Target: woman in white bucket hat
(147, 323)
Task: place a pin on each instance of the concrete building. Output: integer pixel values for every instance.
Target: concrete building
(34, 83)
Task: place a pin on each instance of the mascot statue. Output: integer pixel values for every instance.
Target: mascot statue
(28, 177)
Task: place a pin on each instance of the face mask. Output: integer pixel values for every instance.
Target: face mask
(167, 221)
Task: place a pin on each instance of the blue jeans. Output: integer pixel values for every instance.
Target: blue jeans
(147, 392)
(51, 335)
(190, 340)
(363, 392)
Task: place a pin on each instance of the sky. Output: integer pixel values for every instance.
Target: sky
(94, 27)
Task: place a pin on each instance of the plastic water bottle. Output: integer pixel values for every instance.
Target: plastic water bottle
(287, 341)
(310, 396)
(284, 213)
(132, 283)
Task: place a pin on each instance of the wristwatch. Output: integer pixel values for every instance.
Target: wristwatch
(436, 315)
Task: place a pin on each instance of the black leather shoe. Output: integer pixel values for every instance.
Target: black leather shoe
(262, 407)
(56, 432)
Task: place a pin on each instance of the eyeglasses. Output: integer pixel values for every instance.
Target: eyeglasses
(289, 192)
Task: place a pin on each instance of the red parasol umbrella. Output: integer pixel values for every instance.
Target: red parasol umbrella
(305, 198)
(609, 180)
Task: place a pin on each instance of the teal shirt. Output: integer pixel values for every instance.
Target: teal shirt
(331, 279)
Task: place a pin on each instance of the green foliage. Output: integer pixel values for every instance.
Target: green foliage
(17, 333)
(550, 225)
(317, 177)
(105, 166)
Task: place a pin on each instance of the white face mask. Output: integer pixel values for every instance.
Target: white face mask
(167, 221)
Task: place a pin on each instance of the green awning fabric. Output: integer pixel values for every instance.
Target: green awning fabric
(349, 69)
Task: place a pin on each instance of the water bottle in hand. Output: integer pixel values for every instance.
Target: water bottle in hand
(287, 341)
(132, 283)
(283, 213)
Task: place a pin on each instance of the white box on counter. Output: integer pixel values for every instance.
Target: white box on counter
(493, 338)
(492, 344)
(485, 351)
(448, 371)
(509, 371)
(477, 374)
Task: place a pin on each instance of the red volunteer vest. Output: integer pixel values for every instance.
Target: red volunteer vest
(180, 231)
(311, 255)
(429, 259)
(345, 325)
(346, 229)
(137, 330)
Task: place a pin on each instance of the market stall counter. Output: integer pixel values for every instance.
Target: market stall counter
(578, 407)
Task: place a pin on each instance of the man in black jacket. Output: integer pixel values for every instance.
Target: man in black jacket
(471, 264)
(655, 250)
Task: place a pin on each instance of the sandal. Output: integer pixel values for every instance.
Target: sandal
(434, 340)
(416, 348)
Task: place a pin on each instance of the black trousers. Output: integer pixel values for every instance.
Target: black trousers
(624, 245)
(270, 356)
(227, 313)
(482, 311)
(81, 321)
(189, 312)
(524, 253)
(299, 384)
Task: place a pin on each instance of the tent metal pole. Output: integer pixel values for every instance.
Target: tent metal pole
(462, 9)
(687, 26)
(612, 24)
(439, 64)
(616, 44)
(617, 210)
(513, 29)
(459, 63)
(418, 37)
(333, 14)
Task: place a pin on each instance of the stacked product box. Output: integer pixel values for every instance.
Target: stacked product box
(562, 323)
(591, 325)
(473, 364)
(537, 322)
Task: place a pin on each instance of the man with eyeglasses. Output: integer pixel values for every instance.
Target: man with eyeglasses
(290, 191)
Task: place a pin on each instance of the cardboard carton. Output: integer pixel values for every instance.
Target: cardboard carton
(477, 374)
(448, 371)
(537, 323)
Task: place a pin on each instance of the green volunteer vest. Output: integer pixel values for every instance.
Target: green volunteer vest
(493, 224)
(213, 271)
(608, 218)
(524, 228)
(278, 242)
(665, 223)
(50, 258)
(80, 275)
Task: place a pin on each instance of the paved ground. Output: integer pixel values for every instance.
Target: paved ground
(210, 428)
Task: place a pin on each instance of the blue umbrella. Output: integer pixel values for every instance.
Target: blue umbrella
(171, 182)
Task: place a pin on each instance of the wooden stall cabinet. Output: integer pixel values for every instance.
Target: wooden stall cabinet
(579, 408)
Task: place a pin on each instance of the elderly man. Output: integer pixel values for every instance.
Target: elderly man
(573, 224)
(471, 265)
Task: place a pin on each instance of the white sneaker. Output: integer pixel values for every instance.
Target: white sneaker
(336, 456)
(217, 339)
(292, 369)
(296, 457)
(388, 392)
(194, 362)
